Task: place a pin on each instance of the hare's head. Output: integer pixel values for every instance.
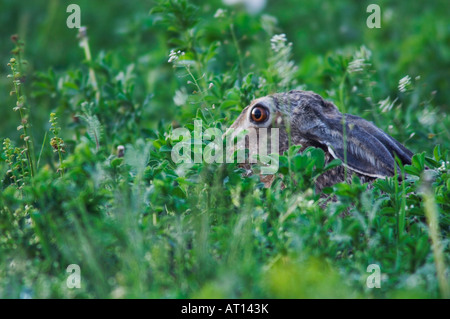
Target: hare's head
(305, 118)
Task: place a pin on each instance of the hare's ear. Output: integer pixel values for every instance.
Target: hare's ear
(394, 147)
(369, 150)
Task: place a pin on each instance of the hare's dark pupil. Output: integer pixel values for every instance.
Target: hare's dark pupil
(259, 114)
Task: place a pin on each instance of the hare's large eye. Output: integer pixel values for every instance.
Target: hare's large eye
(259, 114)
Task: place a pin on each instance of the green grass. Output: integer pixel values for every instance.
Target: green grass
(141, 226)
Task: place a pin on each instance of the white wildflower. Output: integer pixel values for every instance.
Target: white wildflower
(180, 97)
(363, 53)
(386, 105)
(444, 166)
(252, 6)
(268, 23)
(388, 14)
(262, 82)
(220, 13)
(428, 117)
(356, 65)
(278, 42)
(404, 84)
(360, 60)
(280, 62)
(174, 56)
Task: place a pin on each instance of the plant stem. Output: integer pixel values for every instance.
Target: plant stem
(42, 149)
(23, 119)
(199, 89)
(60, 163)
(84, 43)
(238, 51)
(431, 213)
(344, 125)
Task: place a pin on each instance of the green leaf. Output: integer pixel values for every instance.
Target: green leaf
(334, 163)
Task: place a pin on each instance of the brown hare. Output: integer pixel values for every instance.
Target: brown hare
(306, 119)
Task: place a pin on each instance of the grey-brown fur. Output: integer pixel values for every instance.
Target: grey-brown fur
(312, 121)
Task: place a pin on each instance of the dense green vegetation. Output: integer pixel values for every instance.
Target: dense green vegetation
(141, 225)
